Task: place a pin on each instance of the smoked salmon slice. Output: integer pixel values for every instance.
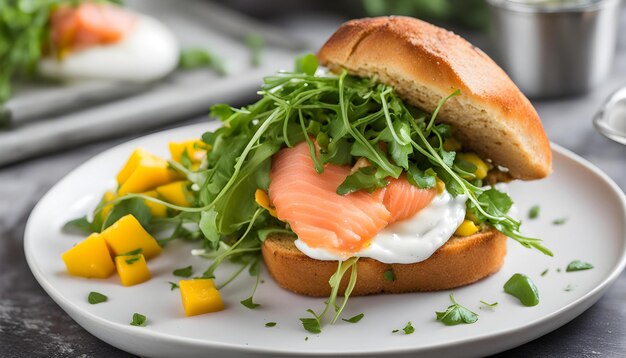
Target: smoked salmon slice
(342, 224)
(89, 24)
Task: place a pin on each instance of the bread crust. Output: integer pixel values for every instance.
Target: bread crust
(425, 63)
(461, 261)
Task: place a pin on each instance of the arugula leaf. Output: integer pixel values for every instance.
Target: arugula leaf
(354, 319)
(533, 213)
(80, 226)
(523, 288)
(96, 297)
(364, 178)
(183, 272)
(307, 64)
(139, 320)
(248, 303)
(456, 314)
(578, 265)
(423, 179)
(311, 324)
(134, 206)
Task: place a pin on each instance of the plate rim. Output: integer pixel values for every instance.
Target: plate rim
(586, 301)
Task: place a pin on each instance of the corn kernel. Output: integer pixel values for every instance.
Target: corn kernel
(452, 144)
(481, 167)
(127, 235)
(89, 258)
(466, 228)
(132, 269)
(261, 198)
(200, 296)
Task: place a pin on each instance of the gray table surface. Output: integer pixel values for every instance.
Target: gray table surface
(32, 325)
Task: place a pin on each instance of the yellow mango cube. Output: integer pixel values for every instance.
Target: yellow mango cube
(132, 269)
(108, 196)
(466, 228)
(196, 150)
(176, 193)
(200, 296)
(127, 235)
(156, 209)
(89, 258)
(143, 172)
(481, 167)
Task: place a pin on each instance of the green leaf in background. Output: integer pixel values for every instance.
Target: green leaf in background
(307, 64)
(80, 226)
(533, 213)
(255, 44)
(134, 206)
(197, 57)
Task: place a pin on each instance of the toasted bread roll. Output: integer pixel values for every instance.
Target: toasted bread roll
(461, 261)
(424, 64)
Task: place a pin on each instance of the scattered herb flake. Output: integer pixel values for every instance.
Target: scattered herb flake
(248, 303)
(306, 338)
(131, 253)
(389, 275)
(544, 272)
(560, 221)
(408, 329)
(270, 324)
(173, 285)
(139, 320)
(96, 297)
(456, 314)
(395, 331)
(183, 272)
(558, 270)
(522, 287)
(311, 324)
(533, 213)
(578, 265)
(354, 319)
(569, 288)
(489, 304)
(132, 260)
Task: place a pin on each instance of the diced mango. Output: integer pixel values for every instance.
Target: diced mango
(89, 258)
(466, 228)
(127, 235)
(261, 198)
(156, 209)
(144, 172)
(200, 296)
(481, 167)
(176, 193)
(108, 196)
(452, 144)
(196, 150)
(132, 269)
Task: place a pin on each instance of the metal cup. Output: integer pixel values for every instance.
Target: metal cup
(555, 48)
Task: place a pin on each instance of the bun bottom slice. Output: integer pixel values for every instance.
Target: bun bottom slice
(461, 261)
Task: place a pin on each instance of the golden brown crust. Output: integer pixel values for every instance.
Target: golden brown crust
(425, 63)
(461, 261)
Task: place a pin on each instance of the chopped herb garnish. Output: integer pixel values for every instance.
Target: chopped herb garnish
(173, 285)
(578, 265)
(560, 221)
(138, 320)
(456, 314)
(533, 213)
(489, 304)
(544, 272)
(306, 338)
(183, 272)
(270, 324)
(569, 288)
(311, 324)
(522, 287)
(96, 297)
(354, 319)
(131, 253)
(132, 260)
(408, 329)
(389, 275)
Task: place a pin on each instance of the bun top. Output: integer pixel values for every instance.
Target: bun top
(425, 63)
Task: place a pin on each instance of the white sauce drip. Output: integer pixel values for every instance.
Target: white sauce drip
(411, 240)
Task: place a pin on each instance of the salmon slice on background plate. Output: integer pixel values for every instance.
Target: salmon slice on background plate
(344, 224)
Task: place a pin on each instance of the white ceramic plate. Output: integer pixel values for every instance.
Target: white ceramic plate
(595, 232)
